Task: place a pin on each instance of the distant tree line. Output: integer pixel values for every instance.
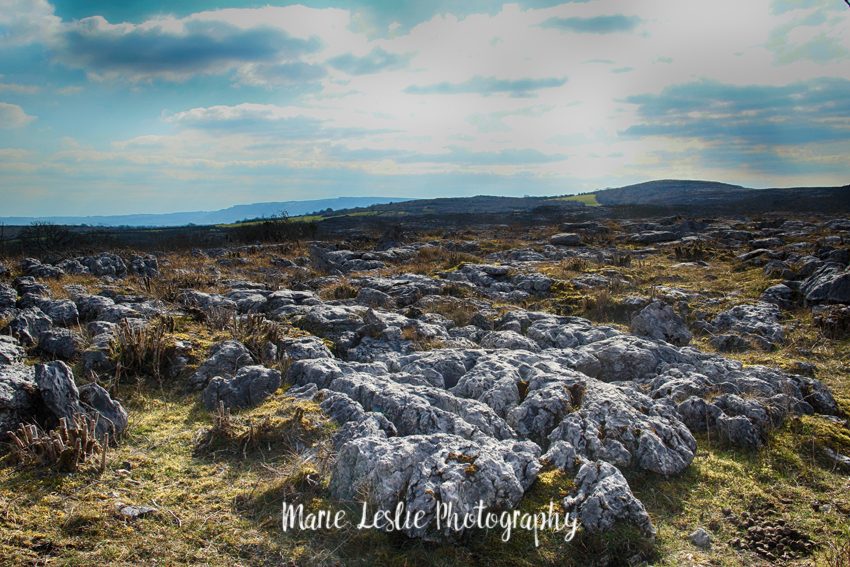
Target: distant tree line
(51, 241)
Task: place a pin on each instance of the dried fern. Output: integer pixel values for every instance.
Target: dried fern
(64, 448)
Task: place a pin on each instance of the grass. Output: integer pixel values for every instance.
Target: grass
(218, 483)
(220, 505)
(588, 199)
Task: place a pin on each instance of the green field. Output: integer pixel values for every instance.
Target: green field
(588, 199)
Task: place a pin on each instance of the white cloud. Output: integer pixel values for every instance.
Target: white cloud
(13, 116)
(549, 101)
(19, 89)
(23, 22)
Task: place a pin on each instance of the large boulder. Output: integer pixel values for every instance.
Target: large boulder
(652, 237)
(28, 325)
(758, 323)
(658, 321)
(144, 266)
(61, 343)
(56, 396)
(112, 418)
(602, 497)
(424, 470)
(105, 264)
(249, 387)
(60, 311)
(225, 359)
(34, 268)
(780, 295)
(11, 351)
(58, 391)
(8, 297)
(18, 394)
(828, 284)
(303, 348)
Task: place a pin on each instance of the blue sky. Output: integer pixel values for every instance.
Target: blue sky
(152, 106)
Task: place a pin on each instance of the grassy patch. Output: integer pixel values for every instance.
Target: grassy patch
(588, 199)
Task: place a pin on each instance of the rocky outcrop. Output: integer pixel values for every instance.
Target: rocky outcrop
(603, 497)
(422, 470)
(224, 360)
(566, 239)
(658, 321)
(249, 387)
(46, 393)
(756, 324)
(828, 284)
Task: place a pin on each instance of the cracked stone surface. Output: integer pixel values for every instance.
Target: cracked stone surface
(480, 421)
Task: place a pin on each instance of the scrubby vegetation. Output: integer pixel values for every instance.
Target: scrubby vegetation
(217, 479)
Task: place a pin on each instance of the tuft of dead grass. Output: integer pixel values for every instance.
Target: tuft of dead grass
(147, 351)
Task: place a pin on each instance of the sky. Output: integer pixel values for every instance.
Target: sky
(152, 106)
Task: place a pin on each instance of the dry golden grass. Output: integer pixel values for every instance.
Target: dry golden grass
(218, 482)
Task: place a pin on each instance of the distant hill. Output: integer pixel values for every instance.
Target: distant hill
(714, 196)
(224, 216)
(479, 204)
(670, 192)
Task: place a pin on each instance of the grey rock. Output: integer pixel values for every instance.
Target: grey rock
(249, 387)
(135, 512)
(62, 343)
(144, 266)
(72, 266)
(422, 470)
(11, 351)
(225, 359)
(700, 538)
(625, 358)
(374, 298)
(118, 313)
(828, 284)
(18, 395)
(508, 340)
(304, 348)
(112, 418)
(335, 322)
(342, 261)
(91, 306)
(759, 321)
(778, 269)
(58, 391)
(61, 311)
(771, 242)
(780, 295)
(204, 301)
(8, 297)
(603, 498)
(105, 264)
(561, 455)
(28, 325)
(739, 431)
(566, 239)
(33, 267)
(628, 429)
(26, 285)
(652, 237)
(658, 321)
